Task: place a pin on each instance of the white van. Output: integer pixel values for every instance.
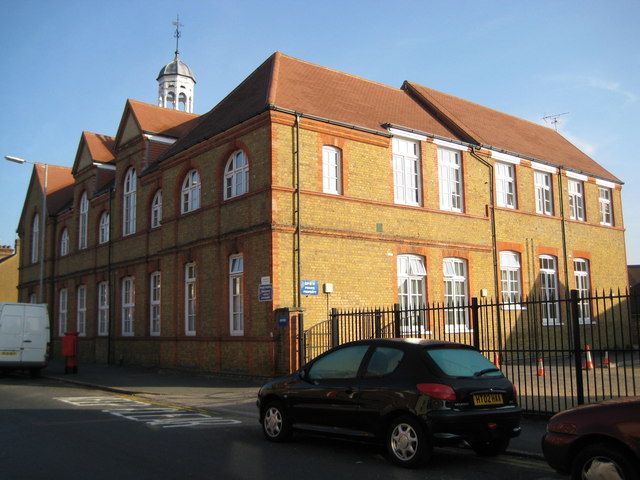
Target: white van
(24, 336)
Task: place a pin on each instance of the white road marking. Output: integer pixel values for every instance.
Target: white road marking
(154, 416)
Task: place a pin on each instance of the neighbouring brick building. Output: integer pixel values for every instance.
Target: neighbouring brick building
(160, 239)
(9, 263)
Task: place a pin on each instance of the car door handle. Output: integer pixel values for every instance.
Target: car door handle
(26, 341)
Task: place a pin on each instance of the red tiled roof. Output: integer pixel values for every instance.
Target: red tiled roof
(59, 186)
(100, 146)
(310, 89)
(162, 121)
(506, 132)
(298, 86)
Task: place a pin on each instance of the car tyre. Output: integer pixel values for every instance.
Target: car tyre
(604, 459)
(35, 372)
(407, 444)
(490, 448)
(275, 423)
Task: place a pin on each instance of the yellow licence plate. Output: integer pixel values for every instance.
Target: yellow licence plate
(487, 399)
(8, 352)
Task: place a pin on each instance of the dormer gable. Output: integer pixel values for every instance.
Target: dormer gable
(93, 147)
(143, 119)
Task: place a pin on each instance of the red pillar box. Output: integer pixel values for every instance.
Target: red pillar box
(70, 352)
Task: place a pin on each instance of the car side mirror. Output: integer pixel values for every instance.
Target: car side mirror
(302, 373)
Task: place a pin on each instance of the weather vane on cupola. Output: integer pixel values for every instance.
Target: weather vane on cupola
(177, 33)
(175, 80)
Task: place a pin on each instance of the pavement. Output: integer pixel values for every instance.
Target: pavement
(212, 393)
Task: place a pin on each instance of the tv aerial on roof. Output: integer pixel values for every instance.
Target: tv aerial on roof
(553, 119)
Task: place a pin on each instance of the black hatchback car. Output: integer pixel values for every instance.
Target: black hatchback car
(410, 394)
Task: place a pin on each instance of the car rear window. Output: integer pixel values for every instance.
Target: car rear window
(462, 362)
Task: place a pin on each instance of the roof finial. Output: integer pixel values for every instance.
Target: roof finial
(177, 33)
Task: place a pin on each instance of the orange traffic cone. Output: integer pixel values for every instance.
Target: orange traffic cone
(589, 363)
(540, 371)
(605, 359)
(496, 359)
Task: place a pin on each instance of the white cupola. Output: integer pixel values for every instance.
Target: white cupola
(176, 81)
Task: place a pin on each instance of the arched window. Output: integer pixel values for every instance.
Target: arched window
(236, 175)
(455, 294)
(103, 236)
(549, 290)
(156, 209)
(182, 102)
(171, 100)
(82, 221)
(412, 295)
(35, 238)
(191, 192)
(64, 243)
(510, 278)
(129, 203)
(190, 299)
(236, 302)
(331, 170)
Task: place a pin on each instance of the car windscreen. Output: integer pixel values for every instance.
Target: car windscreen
(462, 362)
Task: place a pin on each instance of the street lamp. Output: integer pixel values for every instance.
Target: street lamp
(43, 215)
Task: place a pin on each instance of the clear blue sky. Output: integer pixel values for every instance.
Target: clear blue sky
(69, 65)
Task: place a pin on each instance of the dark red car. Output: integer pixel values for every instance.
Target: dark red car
(601, 440)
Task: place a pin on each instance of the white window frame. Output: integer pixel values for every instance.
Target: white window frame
(63, 304)
(155, 292)
(81, 304)
(406, 172)
(129, 203)
(64, 243)
(128, 306)
(456, 295)
(450, 180)
(83, 221)
(331, 170)
(236, 295)
(35, 238)
(506, 190)
(544, 192)
(103, 234)
(190, 197)
(549, 290)
(576, 200)
(606, 206)
(33, 298)
(412, 293)
(511, 279)
(190, 290)
(156, 210)
(103, 309)
(236, 175)
(582, 276)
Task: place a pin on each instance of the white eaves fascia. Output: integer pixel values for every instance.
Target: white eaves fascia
(396, 132)
(605, 183)
(577, 176)
(160, 139)
(541, 167)
(453, 146)
(505, 157)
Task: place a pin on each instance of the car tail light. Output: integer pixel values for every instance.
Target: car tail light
(562, 427)
(437, 390)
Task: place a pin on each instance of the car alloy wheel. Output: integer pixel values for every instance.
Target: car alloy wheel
(603, 461)
(274, 424)
(406, 443)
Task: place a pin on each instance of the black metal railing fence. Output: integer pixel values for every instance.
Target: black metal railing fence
(559, 353)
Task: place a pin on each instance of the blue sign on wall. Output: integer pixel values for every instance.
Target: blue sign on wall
(309, 287)
(265, 293)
